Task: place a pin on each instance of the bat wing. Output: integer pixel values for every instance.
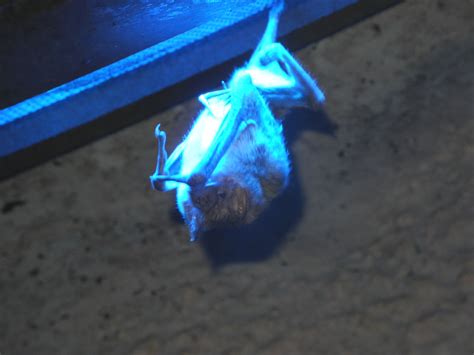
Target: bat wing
(217, 102)
(184, 157)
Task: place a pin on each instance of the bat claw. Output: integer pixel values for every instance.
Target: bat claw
(272, 52)
(159, 134)
(155, 184)
(157, 130)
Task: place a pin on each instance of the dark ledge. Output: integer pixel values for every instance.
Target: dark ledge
(158, 77)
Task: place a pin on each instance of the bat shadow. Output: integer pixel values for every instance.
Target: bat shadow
(261, 239)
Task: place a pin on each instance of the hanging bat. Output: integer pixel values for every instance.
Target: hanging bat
(234, 161)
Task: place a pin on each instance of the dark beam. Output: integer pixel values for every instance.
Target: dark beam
(108, 116)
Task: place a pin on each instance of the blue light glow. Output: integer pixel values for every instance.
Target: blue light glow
(233, 161)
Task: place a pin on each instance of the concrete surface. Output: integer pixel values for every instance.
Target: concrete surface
(375, 253)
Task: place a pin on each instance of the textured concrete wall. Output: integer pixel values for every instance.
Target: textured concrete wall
(374, 256)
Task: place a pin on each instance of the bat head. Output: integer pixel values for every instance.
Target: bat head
(222, 202)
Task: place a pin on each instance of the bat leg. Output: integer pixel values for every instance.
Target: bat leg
(161, 159)
(304, 88)
(270, 34)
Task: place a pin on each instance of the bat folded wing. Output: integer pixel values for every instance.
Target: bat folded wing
(217, 102)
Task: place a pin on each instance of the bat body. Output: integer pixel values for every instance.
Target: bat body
(234, 161)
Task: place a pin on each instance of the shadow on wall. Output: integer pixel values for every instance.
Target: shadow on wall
(261, 239)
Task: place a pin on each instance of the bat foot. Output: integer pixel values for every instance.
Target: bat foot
(159, 134)
(156, 184)
(273, 52)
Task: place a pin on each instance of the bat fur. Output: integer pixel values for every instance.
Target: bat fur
(234, 162)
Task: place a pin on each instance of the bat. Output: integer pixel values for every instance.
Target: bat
(234, 161)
